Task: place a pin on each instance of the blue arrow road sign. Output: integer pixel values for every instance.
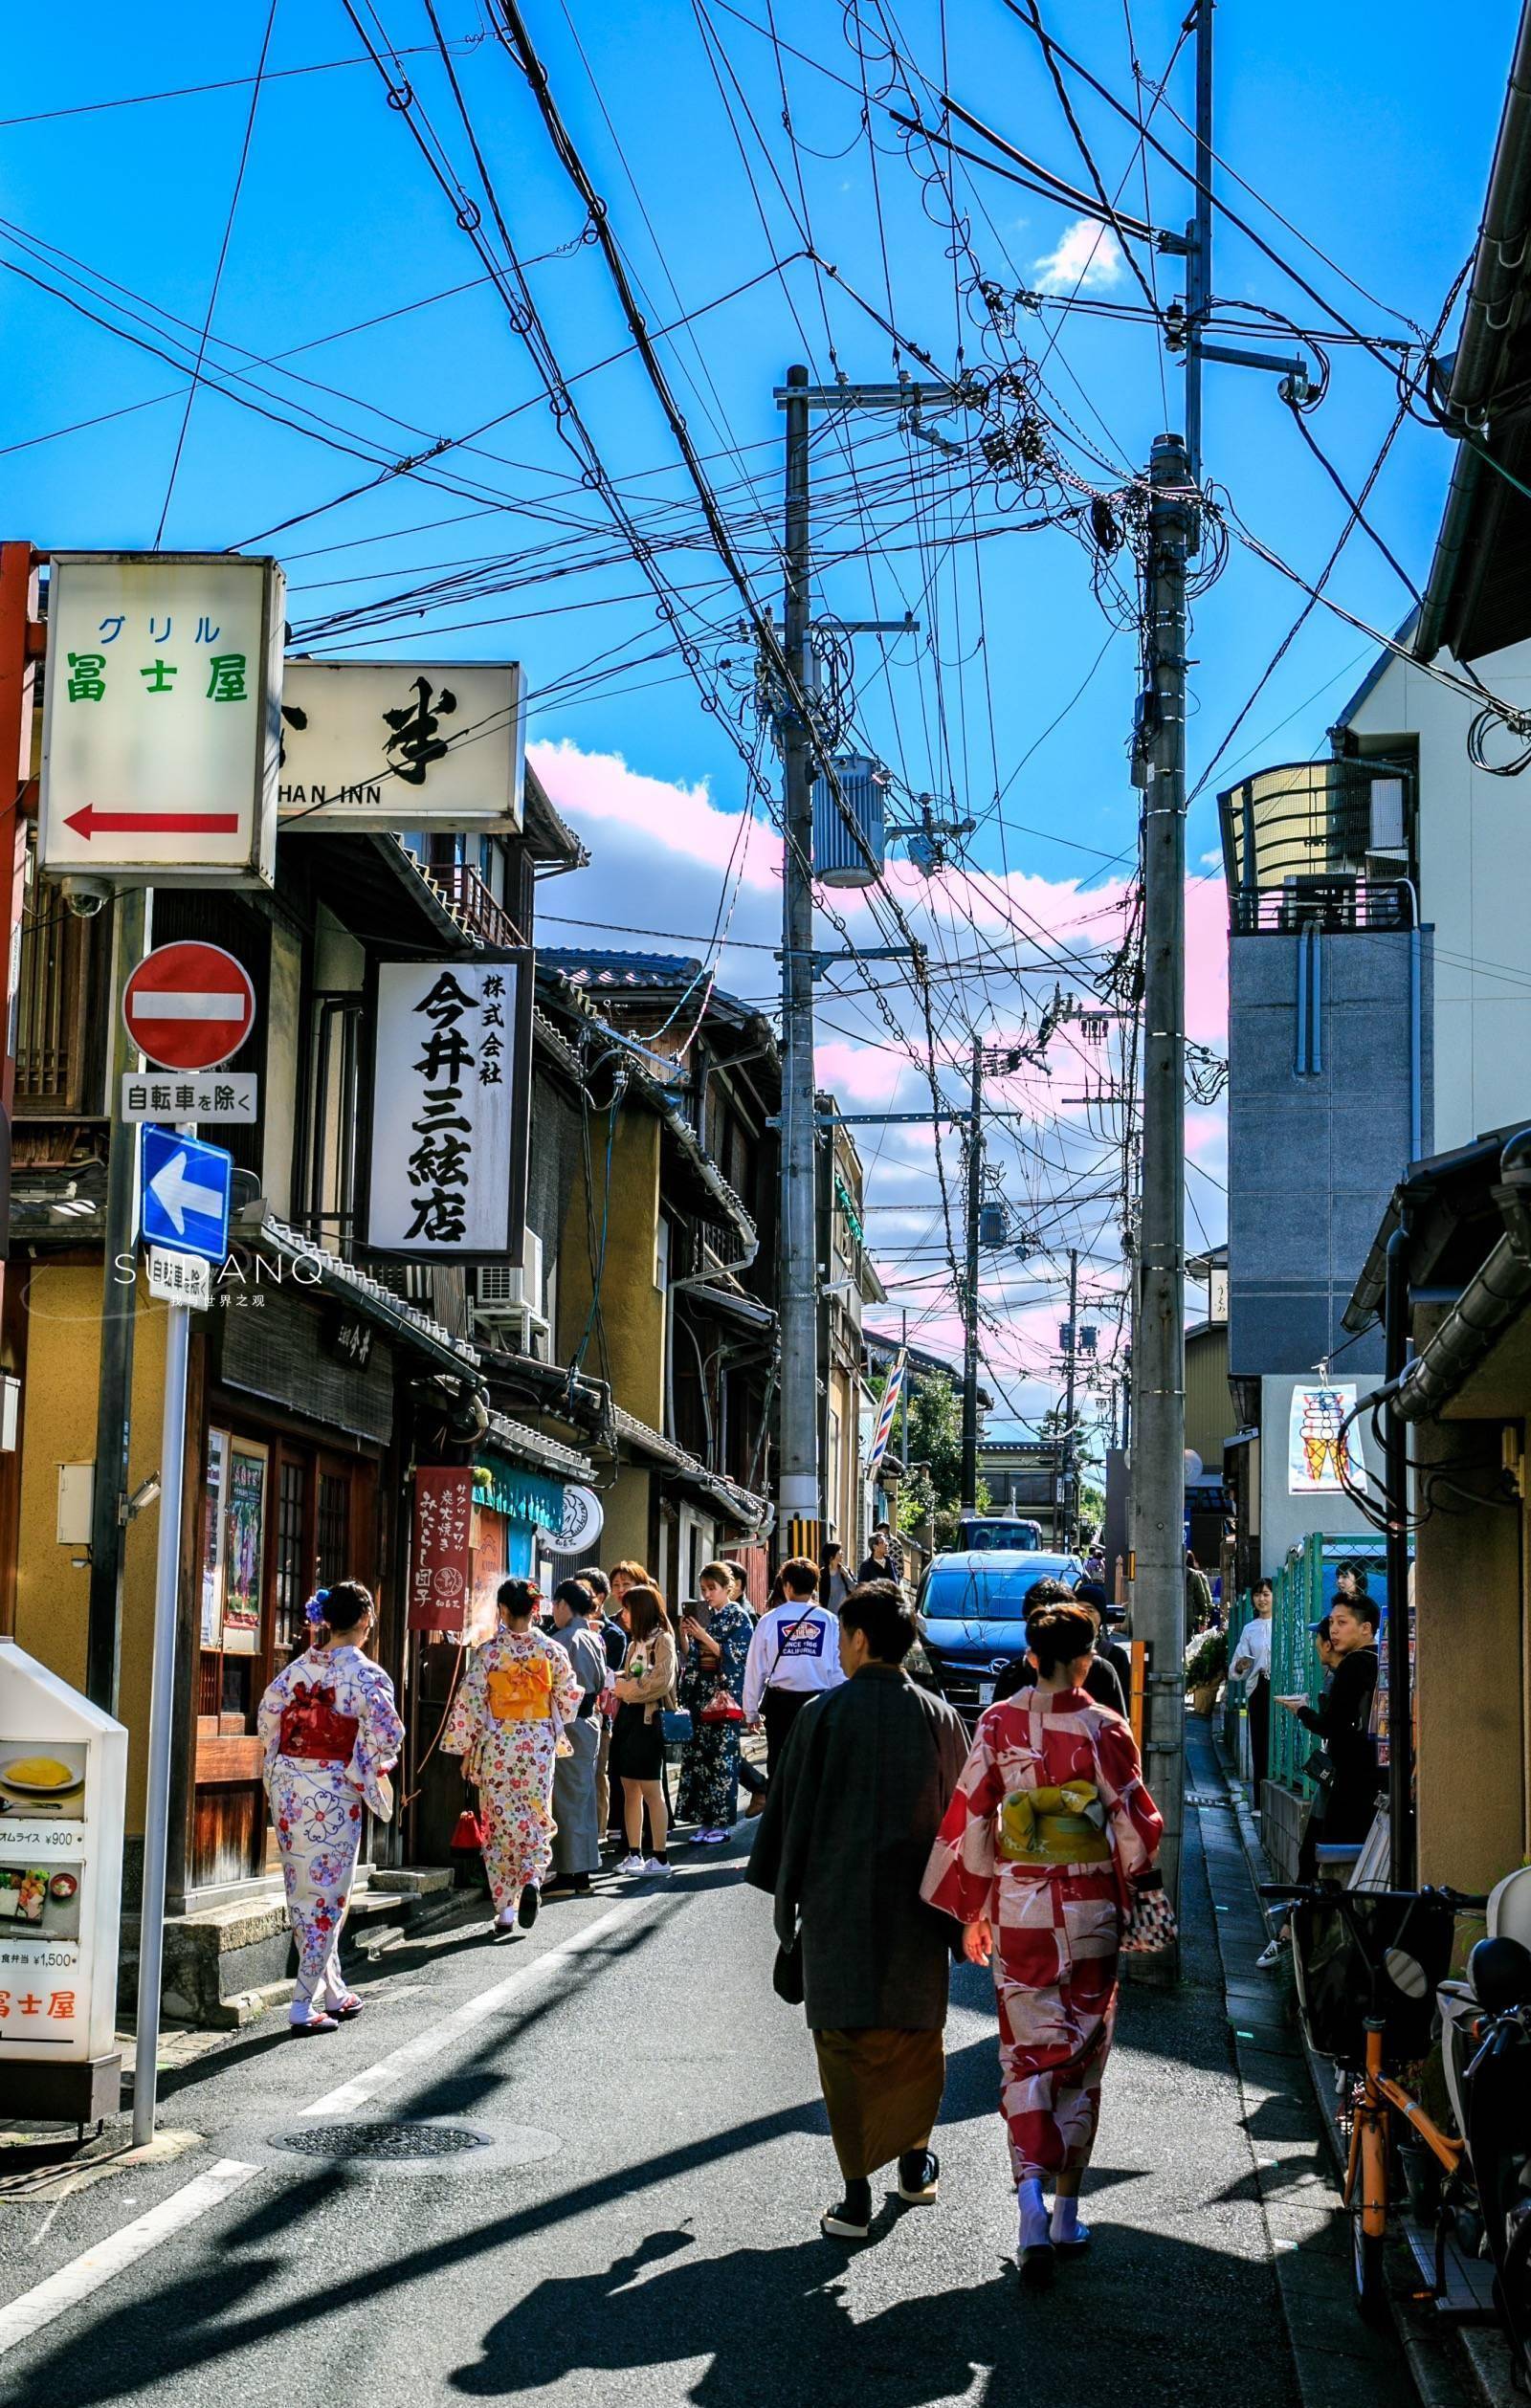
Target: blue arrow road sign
(183, 1189)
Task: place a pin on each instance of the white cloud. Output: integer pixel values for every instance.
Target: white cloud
(1088, 256)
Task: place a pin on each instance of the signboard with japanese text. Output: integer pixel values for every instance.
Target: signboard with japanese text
(215, 1096)
(161, 717)
(180, 1278)
(63, 1774)
(404, 744)
(448, 1108)
(441, 1550)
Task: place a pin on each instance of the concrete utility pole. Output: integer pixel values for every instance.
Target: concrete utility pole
(1071, 1518)
(1159, 1350)
(975, 1198)
(798, 1484)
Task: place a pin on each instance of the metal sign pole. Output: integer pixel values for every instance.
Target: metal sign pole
(162, 1710)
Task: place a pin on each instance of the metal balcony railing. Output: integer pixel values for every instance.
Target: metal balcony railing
(471, 904)
(1336, 905)
(1327, 844)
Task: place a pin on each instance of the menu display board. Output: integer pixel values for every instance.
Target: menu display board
(63, 1772)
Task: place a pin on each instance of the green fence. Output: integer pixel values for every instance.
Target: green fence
(1304, 1592)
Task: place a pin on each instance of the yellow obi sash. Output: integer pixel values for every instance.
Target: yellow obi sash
(1055, 1827)
(521, 1691)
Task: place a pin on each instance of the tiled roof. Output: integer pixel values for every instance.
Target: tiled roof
(741, 1503)
(513, 1438)
(591, 967)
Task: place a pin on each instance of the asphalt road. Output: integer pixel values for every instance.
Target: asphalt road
(664, 2245)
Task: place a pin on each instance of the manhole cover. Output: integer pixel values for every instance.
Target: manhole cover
(387, 2141)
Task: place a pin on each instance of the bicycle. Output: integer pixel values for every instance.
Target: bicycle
(1399, 1984)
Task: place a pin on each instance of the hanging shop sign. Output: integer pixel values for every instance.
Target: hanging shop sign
(449, 1095)
(1323, 1454)
(441, 1550)
(161, 717)
(63, 1775)
(402, 743)
(580, 1524)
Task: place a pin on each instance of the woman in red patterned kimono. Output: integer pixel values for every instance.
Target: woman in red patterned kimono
(1050, 1830)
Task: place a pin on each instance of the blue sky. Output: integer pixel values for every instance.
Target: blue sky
(1363, 126)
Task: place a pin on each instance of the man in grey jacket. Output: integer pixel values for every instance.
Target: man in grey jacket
(865, 1778)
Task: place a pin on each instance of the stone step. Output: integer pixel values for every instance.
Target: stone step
(226, 1964)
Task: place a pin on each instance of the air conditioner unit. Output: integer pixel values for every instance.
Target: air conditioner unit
(507, 1300)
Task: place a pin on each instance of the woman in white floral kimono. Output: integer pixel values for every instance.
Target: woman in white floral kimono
(514, 1698)
(331, 1734)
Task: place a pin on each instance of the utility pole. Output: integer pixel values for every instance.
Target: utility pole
(975, 1196)
(1159, 1350)
(1069, 1515)
(1199, 241)
(798, 1485)
(109, 1522)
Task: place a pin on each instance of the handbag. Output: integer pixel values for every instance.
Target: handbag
(1149, 1922)
(675, 1725)
(787, 1974)
(468, 1834)
(723, 1706)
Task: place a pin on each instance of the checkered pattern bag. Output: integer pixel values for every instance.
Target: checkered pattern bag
(1149, 1923)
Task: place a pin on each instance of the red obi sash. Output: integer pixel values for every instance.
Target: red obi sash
(311, 1727)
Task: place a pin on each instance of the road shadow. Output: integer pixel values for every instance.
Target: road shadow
(788, 2324)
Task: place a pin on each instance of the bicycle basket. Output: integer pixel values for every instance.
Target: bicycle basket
(1387, 1964)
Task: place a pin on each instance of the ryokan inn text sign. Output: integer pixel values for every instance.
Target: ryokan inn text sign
(161, 717)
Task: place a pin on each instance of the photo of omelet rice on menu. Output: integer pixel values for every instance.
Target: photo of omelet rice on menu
(42, 1781)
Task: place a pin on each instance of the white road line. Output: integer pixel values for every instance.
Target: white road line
(431, 2042)
(121, 2250)
(38, 2306)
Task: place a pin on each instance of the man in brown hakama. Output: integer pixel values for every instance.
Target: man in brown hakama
(865, 1779)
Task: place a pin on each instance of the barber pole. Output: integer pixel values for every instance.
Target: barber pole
(890, 1406)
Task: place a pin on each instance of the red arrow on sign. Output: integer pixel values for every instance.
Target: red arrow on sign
(90, 822)
(189, 1006)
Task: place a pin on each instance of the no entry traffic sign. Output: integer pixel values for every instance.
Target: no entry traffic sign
(188, 1006)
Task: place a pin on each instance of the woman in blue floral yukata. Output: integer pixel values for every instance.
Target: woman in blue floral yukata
(716, 1643)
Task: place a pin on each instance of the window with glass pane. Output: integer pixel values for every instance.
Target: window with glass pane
(292, 1585)
(334, 1527)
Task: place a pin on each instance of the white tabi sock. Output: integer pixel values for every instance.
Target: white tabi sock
(1034, 2233)
(1066, 2226)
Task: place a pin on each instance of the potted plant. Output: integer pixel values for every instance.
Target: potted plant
(1206, 1667)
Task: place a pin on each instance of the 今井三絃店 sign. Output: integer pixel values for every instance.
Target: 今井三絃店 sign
(449, 1109)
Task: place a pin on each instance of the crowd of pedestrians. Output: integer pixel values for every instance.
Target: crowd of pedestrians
(894, 1841)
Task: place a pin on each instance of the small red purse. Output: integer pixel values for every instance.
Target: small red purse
(468, 1837)
(723, 1706)
(310, 1729)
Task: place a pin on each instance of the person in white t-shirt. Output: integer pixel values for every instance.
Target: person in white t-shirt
(792, 1656)
(1252, 1665)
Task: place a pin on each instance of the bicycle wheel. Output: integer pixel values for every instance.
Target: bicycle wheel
(1366, 2272)
(1366, 2247)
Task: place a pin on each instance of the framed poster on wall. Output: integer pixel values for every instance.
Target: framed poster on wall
(244, 1517)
